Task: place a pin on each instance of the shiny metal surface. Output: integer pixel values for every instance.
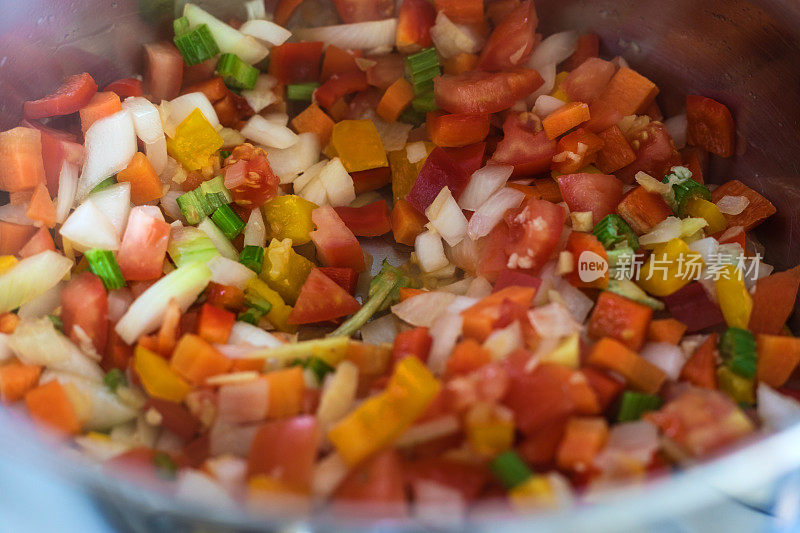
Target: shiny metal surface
(745, 53)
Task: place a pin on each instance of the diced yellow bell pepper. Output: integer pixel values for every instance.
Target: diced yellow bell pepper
(670, 267)
(558, 88)
(358, 145)
(404, 172)
(157, 377)
(284, 270)
(488, 431)
(7, 262)
(279, 312)
(534, 493)
(737, 387)
(700, 208)
(567, 353)
(195, 142)
(382, 418)
(289, 217)
(735, 301)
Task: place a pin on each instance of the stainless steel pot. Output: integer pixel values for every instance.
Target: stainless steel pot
(746, 53)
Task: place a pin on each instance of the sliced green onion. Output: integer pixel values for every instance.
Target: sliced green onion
(613, 230)
(257, 302)
(165, 466)
(224, 154)
(190, 245)
(252, 257)
(424, 103)
(316, 365)
(738, 349)
(105, 184)
(628, 289)
(301, 91)
(421, 68)
(57, 322)
(114, 378)
(684, 188)
(251, 316)
(194, 206)
(236, 73)
(510, 469)
(104, 265)
(215, 193)
(195, 45)
(228, 221)
(634, 404)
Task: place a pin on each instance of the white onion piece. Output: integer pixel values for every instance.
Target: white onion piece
(437, 505)
(479, 288)
(416, 152)
(546, 105)
(219, 239)
(491, 212)
(459, 288)
(548, 73)
(255, 10)
(231, 138)
(226, 271)
(628, 442)
(67, 187)
(328, 474)
(199, 488)
(576, 302)
(338, 394)
(665, 356)
(371, 36)
(504, 341)
(650, 184)
(379, 331)
(707, 248)
(231, 439)
(156, 153)
(554, 49)
(31, 277)
(428, 431)
(118, 302)
(447, 218)
(288, 163)
(423, 309)
(264, 30)
(732, 205)
(393, 134)
(228, 39)
(338, 183)
(430, 251)
(115, 203)
(255, 232)
(465, 255)
(268, 133)
(483, 183)
(246, 401)
(88, 228)
(146, 119)
(182, 106)
(452, 39)
(37, 342)
(169, 203)
(15, 214)
(308, 185)
(553, 321)
(42, 305)
(110, 145)
(244, 333)
(666, 230)
(104, 409)
(277, 118)
(776, 411)
(445, 331)
(262, 95)
(676, 126)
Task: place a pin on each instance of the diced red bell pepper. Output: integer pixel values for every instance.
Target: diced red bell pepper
(587, 82)
(296, 62)
(539, 397)
(163, 73)
(576, 150)
(41, 241)
(225, 296)
(118, 353)
(414, 21)
(514, 278)
(364, 10)
(338, 86)
(616, 153)
(528, 150)
(598, 193)
(321, 299)
(588, 47)
(415, 342)
(175, 417)
(461, 11)
(286, 450)
(620, 318)
(214, 324)
(656, 154)
(336, 245)
(126, 87)
(376, 486)
(439, 171)
(483, 92)
(144, 244)
(534, 232)
(710, 126)
(692, 306)
(467, 478)
(643, 210)
(469, 158)
(490, 312)
(540, 447)
(74, 93)
(696, 160)
(371, 180)
(455, 130)
(701, 368)
(370, 220)
(346, 278)
(512, 41)
(338, 61)
(606, 386)
(579, 242)
(757, 210)
(84, 304)
(284, 10)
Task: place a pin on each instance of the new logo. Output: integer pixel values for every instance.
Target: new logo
(591, 266)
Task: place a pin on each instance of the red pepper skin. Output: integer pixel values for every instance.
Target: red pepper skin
(215, 324)
(126, 87)
(74, 93)
(340, 85)
(469, 158)
(371, 220)
(296, 62)
(440, 170)
(416, 342)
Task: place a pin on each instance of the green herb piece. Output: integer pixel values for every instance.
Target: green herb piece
(635, 404)
(252, 257)
(738, 349)
(104, 265)
(114, 378)
(195, 45)
(228, 221)
(613, 230)
(236, 73)
(510, 469)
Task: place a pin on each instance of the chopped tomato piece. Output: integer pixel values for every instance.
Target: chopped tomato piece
(175, 417)
(364, 10)
(41, 207)
(439, 171)
(627, 93)
(469, 158)
(710, 126)
(539, 397)
(371, 180)
(534, 231)
(41, 241)
(321, 300)
(388, 68)
(454, 130)
(285, 450)
(260, 184)
(346, 278)
(701, 368)
(620, 318)
(467, 478)
(484, 92)
(58, 147)
(214, 324)
(74, 93)
(588, 47)
(340, 85)
(616, 153)
(296, 62)
(84, 305)
(655, 155)
(378, 483)
(225, 296)
(338, 61)
(586, 82)
(336, 245)
(163, 73)
(512, 41)
(370, 220)
(415, 342)
(414, 21)
(14, 236)
(578, 243)
(528, 150)
(692, 306)
(144, 244)
(284, 10)
(598, 193)
(461, 11)
(126, 87)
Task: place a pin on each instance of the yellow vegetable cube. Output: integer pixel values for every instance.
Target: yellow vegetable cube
(735, 301)
(700, 208)
(195, 142)
(670, 267)
(358, 145)
(158, 379)
(284, 270)
(289, 217)
(279, 312)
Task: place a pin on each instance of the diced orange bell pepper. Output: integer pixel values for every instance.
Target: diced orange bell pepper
(778, 356)
(666, 330)
(14, 236)
(16, 379)
(758, 209)
(627, 93)
(576, 150)
(407, 223)
(286, 389)
(21, 164)
(479, 320)
(461, 11)
(643, 210)
(145, 184)
(620, 318)
(395, 100)
(701, 368)
(467, 357)
(371, 180)
(49, 404)
(460, 63)
(773, 301)
(315, 120)
(640, 374)
(454, 130)
(616, 153)
(338, 61)
(710, 125)
(579, 242)
(194, 359)
(564, 119)
(583, 440)
(8, 322)
(102, 105)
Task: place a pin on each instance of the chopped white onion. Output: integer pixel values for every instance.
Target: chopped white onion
(88, 228)
(650, 184)
(243, 402)
(483, 183)
(67, 187)
(169, 203)
(416, 152)
(444, 331)
(110, 145)
(393, 134)
(732, 205)
(277, 117)
(199, 488)
(428, 431)
(228, 39)
(447, 218)
(37, 342)
(423, 309)
(308, 185)
(264, 30)
(248, 334)
(546, 105)
(666, 230)
(548, 73)
(156, 153)
(628, 443)
(268, 133)
(338, 183)
(220, 240)
(373, 36)
(491, 212)
(576, 302)
(452, 39)
(255, 232)
(255, 10)
(118, 302)
(465, 255)
(707, 248)
(438, 506)
(665, 356)
(338, 394)
(146, 119)
(430, 251)
(15, 214)
(42, 305)
(115, 203)
(227, 271)
(676, 126)
(479, 288)
(379, 331)
(553, 321)
(554, 49)
(182, 106)
(459, 287)
(231, 138)
(262, 95)
(328, 474)
(104, 409)
(504, 341)
(776, 411)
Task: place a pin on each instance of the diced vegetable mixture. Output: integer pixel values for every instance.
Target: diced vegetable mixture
(184, 286)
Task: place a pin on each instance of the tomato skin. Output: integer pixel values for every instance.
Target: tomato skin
(386, 70)
(336, 245)
(577, 243)
(175, 417)
(370, 220)
(414, 21)
(512, 40)
(416, 342)
(321, 299)
(378, 482)
(656, 155)
(296, 62)
(71, 96)
(126, 87)
(455, 131)
(286, 450)
(338, 61)
(529, 151)
(481, 93)
(469, 158)
(163, 70)
(41, 241)
(84, 303)
(346, 278)
(260, 183)
(586, 82)
(598, 193)
(468, 479)
(364, 10)
(534, 232)
(144, 244)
